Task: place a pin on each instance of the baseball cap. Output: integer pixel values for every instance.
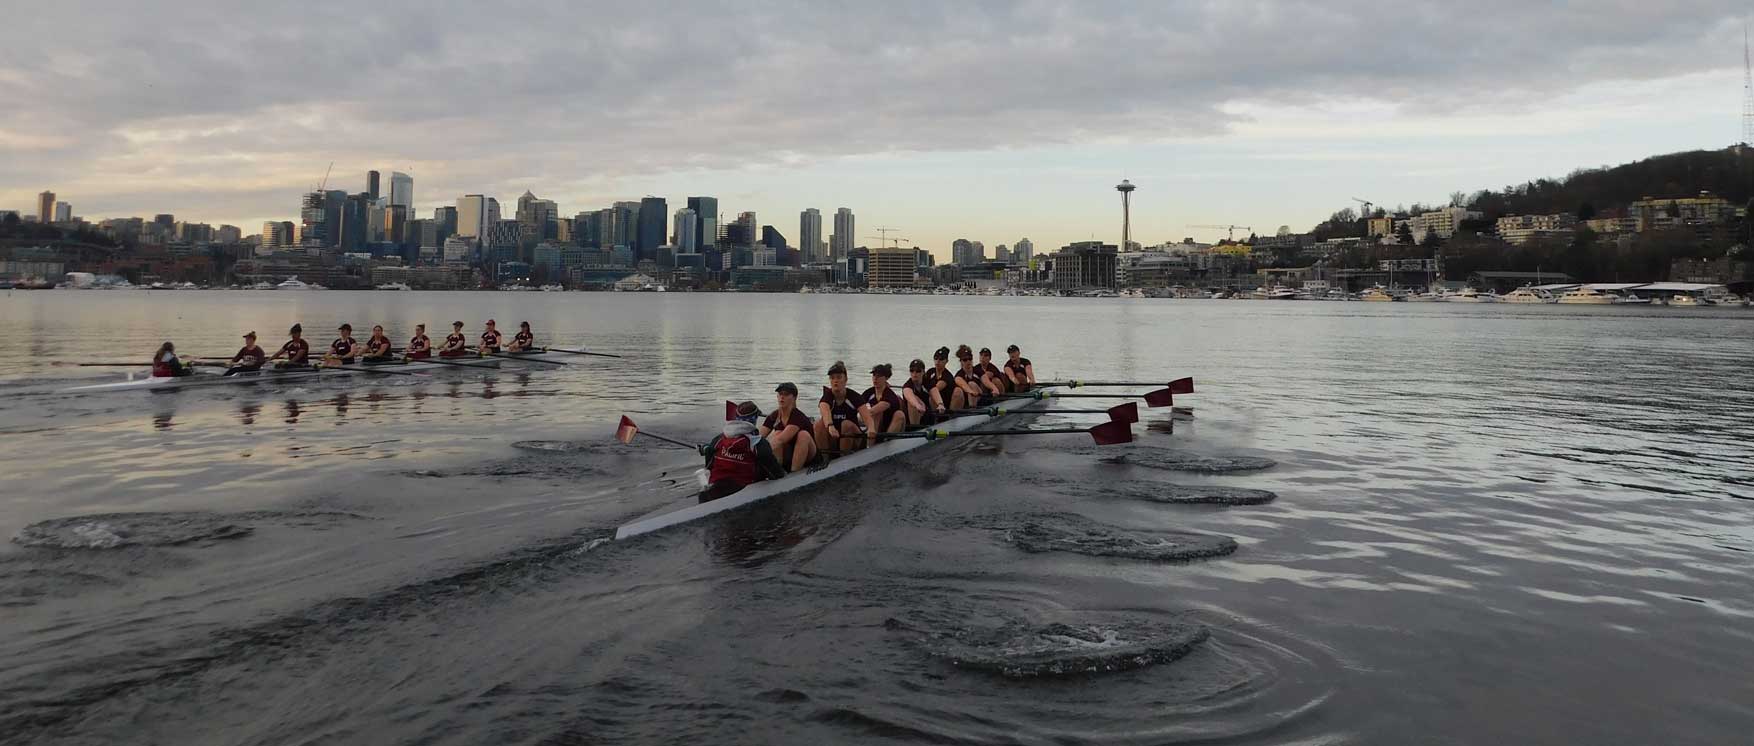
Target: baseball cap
(787, 388)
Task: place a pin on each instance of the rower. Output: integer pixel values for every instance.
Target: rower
(993, 378)
(296, 350)
(344, 349)
(419, 346)
(523, 341)
(166, 365)
(249, 358)
(841, 412)
(787, 430)
(377, 348)
(971, 390)
(940, 380)
(1019, 369)
(924, 406)
(883, 410)
(738, 456)
(457, 344)
(490, 339)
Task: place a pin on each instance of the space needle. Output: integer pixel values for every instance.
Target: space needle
(1126, 190)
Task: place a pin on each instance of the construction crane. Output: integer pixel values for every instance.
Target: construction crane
(1367, 205)
(325, 182)
(1232, 229)
(883, 236)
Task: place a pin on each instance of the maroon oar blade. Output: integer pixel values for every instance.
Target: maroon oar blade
(1181, 386)
(730, 411)
(626, 430)
(1128, 413)
(1112, 433)
(1160, 398)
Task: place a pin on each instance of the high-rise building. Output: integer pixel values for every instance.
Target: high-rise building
(446, 220)
(46, 207)
(314, 220)
(626, 224)
(1002, 254)
(536, 219)
(845, 236)
(891, 267)
(772, 238)
(472, 218)
(748, 229)
(964, 252)
(276, 234)
(706, 213)
(653, 212)
(1022, 251)
(402, 190)
(810, 235)
(371, 184)
(686, 227)
(63, 212)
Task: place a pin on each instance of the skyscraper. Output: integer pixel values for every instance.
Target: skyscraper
(1022, 251)
(472, 217)
(46, 207)
(402, 190)
(371, 184)
(63, 212)
(653, 212)
(810, 234)
(845, 238)
(706, 215)
(687, 239)
(748, 228)
(626, 224)
(536, 219)
(446, 220)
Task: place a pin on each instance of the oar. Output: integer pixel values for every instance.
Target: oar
(442, 361)
(1105, 434)
(1158, 398)
(578, 352)
(518, 356)
(359, 369)
(1128, 412)
(1177, 386)
(626, 430)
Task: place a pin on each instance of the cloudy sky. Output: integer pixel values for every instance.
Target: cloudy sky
(991, 121)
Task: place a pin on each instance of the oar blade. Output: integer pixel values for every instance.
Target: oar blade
(1160, 398)
(1128, 413)
(626, 430)
(730, 410)
(1112, 433)
(1182, 386)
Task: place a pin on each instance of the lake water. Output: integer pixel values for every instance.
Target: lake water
(1492, 524)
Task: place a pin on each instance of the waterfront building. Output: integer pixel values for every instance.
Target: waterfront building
(840, 245)
(46, 207)
(810, 235)
(891, 267)
(1084, 264)
(459, 250)
(1380, 227)
(1521, 229)
(1653, 213)
(1443, 222)
(686, 236)
(653, 212)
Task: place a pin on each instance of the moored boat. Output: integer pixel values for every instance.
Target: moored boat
(1527, 294)
(1377, 295)
(1586, 296)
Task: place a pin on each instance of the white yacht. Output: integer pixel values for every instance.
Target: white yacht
(1470, 295)
(1378, 295)
(1586, 296)
(1685, 299)
(1429, 296)
(262, 286)
(1632, 299)
(392, 286)
(292, 283)
(1527, 294)
(1282, 294)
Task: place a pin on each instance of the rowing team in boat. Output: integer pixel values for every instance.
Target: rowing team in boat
(847, 420)
(346, 350)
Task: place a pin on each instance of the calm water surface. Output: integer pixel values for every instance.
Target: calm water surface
(1493, 525)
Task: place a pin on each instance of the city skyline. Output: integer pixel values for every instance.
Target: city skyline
(1233, 129)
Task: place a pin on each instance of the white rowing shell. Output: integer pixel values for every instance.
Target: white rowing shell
(262, 376)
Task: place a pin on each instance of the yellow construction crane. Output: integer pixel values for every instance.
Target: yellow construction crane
(1232, 229)
(883, 236)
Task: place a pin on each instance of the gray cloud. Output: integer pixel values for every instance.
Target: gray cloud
(230, 109)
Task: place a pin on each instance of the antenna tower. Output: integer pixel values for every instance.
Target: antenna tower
(1747, 92)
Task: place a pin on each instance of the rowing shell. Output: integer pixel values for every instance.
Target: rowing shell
(691, 509)
(266, 375)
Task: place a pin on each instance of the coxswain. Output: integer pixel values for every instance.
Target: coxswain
(344, 349)
(249, 357)
(296, 350)
(377, 348)
(166, 365)
(738, 456)
(884, 410)
(419, 346)
(1018, 367)
(788, 431)
(490, 339)
(457, 344)
(940, 379)
(994, 378)
(523, 341)
(840, 414)
(924, 405)
(971, 391)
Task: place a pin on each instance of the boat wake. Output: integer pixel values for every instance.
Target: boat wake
(1024, 650)
(1070, 532)
(118, 530)
(1158, 458)
(1157, 492)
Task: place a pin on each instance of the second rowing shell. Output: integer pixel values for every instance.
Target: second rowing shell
(266, 376)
